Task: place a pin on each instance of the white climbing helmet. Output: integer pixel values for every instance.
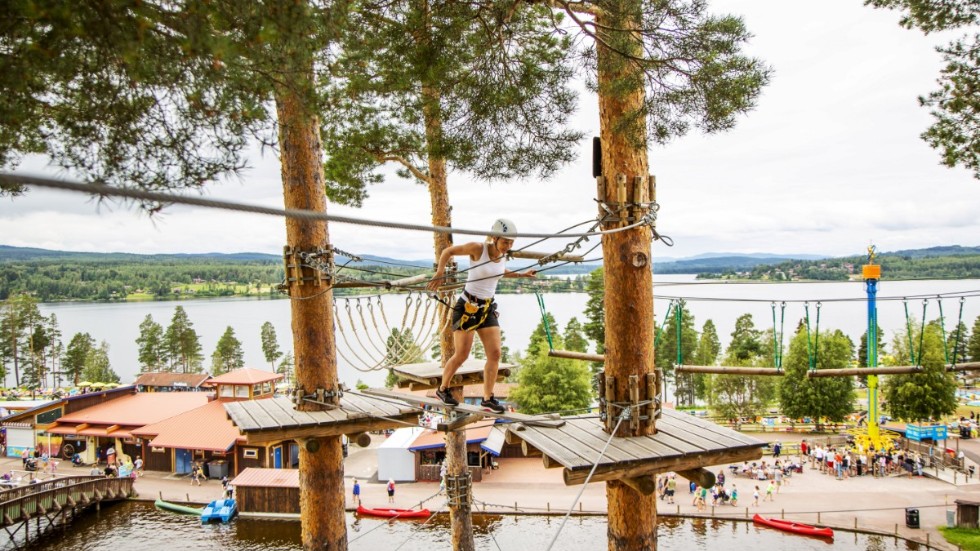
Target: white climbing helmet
(504, 228)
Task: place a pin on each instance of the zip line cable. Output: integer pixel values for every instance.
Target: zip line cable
(300, 214)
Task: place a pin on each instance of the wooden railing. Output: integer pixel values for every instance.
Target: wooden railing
(25, 502)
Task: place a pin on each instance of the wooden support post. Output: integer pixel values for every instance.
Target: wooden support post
(634, 389)
(646, 485)
(612, 411)
(653, 395)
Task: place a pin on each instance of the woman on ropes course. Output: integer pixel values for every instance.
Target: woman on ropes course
(476, 311)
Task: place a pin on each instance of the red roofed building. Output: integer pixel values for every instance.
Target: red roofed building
(111, 423)
(246, 384)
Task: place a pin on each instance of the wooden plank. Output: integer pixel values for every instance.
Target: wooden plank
(262, 417)
(240, 417)
(716, 440)
(466, 408)
(702, 425)
(548, 441)
(591, 444)
(284, 411)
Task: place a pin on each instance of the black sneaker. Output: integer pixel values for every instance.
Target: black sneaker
(447, 397)
(492, 404)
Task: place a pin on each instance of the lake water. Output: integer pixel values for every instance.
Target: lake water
(843, 306)
(138, 525)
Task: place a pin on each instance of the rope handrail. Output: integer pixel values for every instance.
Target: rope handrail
(301, 214)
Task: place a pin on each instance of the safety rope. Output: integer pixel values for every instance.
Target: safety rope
(382, 523)
(678, 320)
(908, 332)
(544, 320)
(104, 190)
(585, 484)
(922, 328)
(959, 328)
(942, 331)
(777, 337)
(811, 359)
(663, 327)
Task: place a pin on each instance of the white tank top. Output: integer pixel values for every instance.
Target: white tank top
(481, 280)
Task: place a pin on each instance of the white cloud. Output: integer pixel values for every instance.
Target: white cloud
(828, 162)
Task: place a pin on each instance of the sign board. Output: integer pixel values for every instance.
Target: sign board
(918, 433)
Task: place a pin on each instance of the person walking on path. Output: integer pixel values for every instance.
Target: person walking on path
(476, 311)
(138, 466)
(391, 491)
(734, 497)
(671, 488)
(356, 492)
(196, 475)
(755, 497)
(770, 488)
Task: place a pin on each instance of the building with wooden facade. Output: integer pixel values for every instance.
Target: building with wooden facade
(174, 382)
(267, 491)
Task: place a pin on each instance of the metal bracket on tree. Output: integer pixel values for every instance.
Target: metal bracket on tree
(324, 397)
(307, 267)
(627, 201)
(459, 490)
(642, 409)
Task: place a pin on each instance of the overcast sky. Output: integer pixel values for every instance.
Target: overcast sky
(829, 162)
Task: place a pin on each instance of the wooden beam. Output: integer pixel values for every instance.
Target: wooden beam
(82, 426)
(687, 462)
(728, 370)
(892, 370)
(888, 370)
(645, 485)
(550, 463)
(968, 366)
(407, 281)
(568, 354)
(112, 428)
(702, 477)
(538, 256)
(363, 424)
(459, 422)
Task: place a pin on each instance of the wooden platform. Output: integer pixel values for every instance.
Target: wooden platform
(426, 375)
(275, 419)
(468, 409)
(683, 443)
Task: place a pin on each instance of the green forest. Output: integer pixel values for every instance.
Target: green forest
(53, 276)
(934, 263)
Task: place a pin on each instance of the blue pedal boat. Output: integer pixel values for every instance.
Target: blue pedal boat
(219, 509)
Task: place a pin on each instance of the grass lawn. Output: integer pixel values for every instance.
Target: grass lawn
(968, 539)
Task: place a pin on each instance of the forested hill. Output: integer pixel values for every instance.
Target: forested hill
(950, 262)
(59, 275)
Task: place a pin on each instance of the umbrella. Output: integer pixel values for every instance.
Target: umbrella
(110, 385)
(84, 383)
(97, 385)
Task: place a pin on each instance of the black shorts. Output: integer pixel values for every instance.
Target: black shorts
(485, 315)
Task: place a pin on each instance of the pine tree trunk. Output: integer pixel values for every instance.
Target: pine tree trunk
(460, 515)
(628, 295)
(321, 468)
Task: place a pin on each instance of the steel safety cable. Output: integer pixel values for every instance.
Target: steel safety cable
(380, 523)
(587, 479)
(104, 190)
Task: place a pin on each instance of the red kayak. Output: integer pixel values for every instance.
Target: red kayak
(394, 513)
(795, 527)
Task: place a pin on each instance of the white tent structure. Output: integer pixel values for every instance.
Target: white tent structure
(395, 461)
